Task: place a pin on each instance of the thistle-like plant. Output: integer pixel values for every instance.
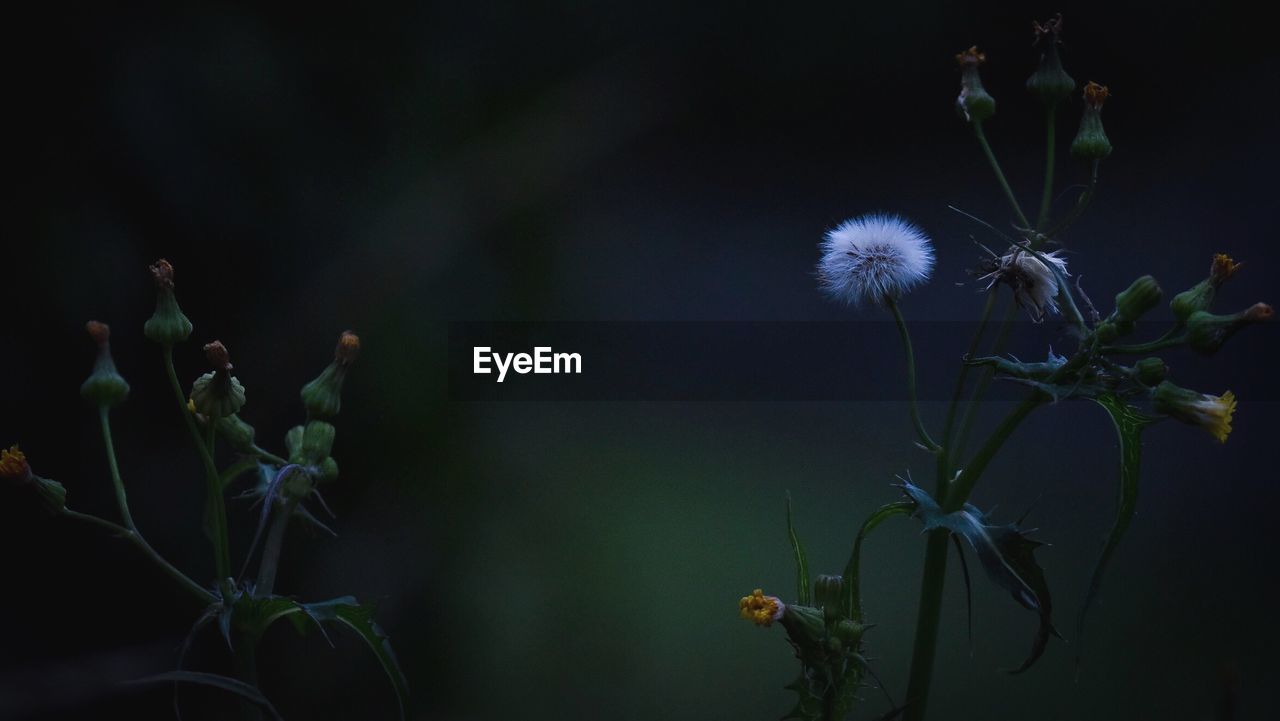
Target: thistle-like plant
(283, 489)
(878, 259)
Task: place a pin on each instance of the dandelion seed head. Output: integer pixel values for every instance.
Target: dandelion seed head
(873, 256)
(1034, 282)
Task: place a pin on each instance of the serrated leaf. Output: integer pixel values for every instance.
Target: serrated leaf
(1007, 555)
(205, 618)
(803, 593)
(230, 685)
(1129, 424)
(347, 611)
(851, 591)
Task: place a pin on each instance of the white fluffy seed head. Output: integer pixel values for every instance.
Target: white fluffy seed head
(1035, 285)
(874, 256)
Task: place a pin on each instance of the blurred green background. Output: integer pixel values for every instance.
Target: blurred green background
(390, 169)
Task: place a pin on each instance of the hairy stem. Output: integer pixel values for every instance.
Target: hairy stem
(217, 508)
(923, 434)
(132, 536)
(121, 499)
(995, 167)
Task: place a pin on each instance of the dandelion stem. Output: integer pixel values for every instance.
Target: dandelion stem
(911, 375)
(132, 536)
(213, 483)
(995, 166)
(271, 550)
(122, 500)
(949, 428)
(1046, 197)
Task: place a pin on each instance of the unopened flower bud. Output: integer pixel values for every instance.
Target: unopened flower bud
(327, 471)
(1050, 81)
(1141, 296)
(317, 442)
(168, 326)
(1200, 296)
(238, 434)
(322, 397)
(217, 394)
(850, 632)
(806, 627)
(1150, 371)
(15, 470)
(293, 443)
(104, 387)
(1207, 332)
(1091, 142)
(1212, 413)
(974, 103)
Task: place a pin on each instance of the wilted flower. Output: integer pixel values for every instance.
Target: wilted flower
(760, 609)
(1212, 413)
(168, 325)
(13, 465)
(874, 257)
(1091, 142)
(1034, 284)
(974, 103)
(1200, 296)
(105, 386)
(1050, 81)
(322, 397)
(217, 394)
(1206, 332)
(15, 469)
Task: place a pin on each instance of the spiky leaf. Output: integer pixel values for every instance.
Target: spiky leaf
(348, 612)
(230, 685)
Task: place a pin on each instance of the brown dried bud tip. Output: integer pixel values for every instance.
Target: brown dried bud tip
(1095, 95)
(1222, 269)
(99, 332)
(1258, 312)
(1052, 26)
(971, 58)
(217, 355)
(162, 273)
(348, 348)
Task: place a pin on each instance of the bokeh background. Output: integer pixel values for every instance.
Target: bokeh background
(392, 167)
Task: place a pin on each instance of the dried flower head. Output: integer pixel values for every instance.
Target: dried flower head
(1035, 285)
(874, 257)
(348, 348)
(162, 274)
(1222, 269)
(760, 609)
(1095, 95)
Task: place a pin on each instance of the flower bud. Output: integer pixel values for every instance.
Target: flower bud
(104, 387)
(1212, 413)
(15, 470)
(317, 442)
(168, 325)
(826, 594)
(1050, 82)
(1150, 371)
(1207, 332)
(1200, 296)
(293, 443)
(807, 629)
(327, 471)
(1091, 142)
(297, 485)
(238, 434)
(850, 632)
(217, 394)
(974, 103)
(1141, 296)
(322, 397)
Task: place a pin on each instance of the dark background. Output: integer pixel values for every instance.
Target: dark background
(392, 168)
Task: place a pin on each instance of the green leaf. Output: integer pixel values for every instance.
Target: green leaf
(852, 601)
(1129, 424)
(230, 685)
(1006, 554)
(348, 612)
(803, 594)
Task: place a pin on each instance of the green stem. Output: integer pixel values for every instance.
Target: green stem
(925, 648)
(1139, 348)
(995, 166)
(966, 422)
(138, 541)
(271, 550)
(247, 670)
(1046, 197)
(268, 456)
(121, 499)
(911, 375)
(217, 508)
(1081, 204)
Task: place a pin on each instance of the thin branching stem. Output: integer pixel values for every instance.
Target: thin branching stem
(1046, 197)
(271, 549)
(921, 432)
(995, 167)
(132, 536)
(122, 500)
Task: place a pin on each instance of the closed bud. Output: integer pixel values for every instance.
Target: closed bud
(1206, 332)
(104, 387)
(238, 434)
(826, 594)
(1091, 142)
(1050, 81)
(974, 103)
(1141, 296)
(322, 397)
(293, 443)
(317, 442)
(168, 326)
(806, 627)
(850, 632)
(327, 471)
(217, 394)
(1200, 296)
(1150, 371)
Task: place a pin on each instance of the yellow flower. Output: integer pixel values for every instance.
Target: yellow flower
(760, 609)
(1213, 413)
(13, 465)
